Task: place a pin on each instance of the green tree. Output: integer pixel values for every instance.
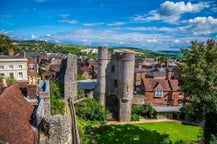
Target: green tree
(57, 106)
(199, 71)
(5, 44)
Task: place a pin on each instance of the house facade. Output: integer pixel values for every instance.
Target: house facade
(14, 67)
(162, 91)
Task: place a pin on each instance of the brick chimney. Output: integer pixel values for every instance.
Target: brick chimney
(31, 91)
(168, 73)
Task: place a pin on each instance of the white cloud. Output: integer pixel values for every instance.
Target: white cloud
(93, 24)
(64, 16)
(152, 40)
(116, 24)
(34, 36)
(5, 32)
(171, 12)
(176, 41)
(69, 21)
(170, 8)
(202, 25)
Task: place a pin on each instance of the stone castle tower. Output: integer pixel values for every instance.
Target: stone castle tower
(115, 82)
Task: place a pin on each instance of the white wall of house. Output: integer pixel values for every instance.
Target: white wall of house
(16, 68)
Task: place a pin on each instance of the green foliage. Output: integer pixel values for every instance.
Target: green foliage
(146, 111)
(45, 47)
(91, 109)
(80, 93)
(57, 106)
(199, 71)
(89, 113)
(84, 127)
(135, 117)
(80, 77)
(11, 80)
(148, 133)
(5, 44)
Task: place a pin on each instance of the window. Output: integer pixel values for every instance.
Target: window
(20, 75)
(11, 67)
(116, 83)
(11, 75)
(2, 74)
(31, 67)
(20, 66)
(113, 68)
(158, 93)
(1, 67)
(181, 94)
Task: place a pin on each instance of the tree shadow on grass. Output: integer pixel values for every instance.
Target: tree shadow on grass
(129, 134)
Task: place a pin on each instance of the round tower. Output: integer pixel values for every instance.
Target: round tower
(126, 90)
(101, 73)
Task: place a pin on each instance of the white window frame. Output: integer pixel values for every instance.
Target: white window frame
(158, 93)
(2, 74)
(2, 67)
(10, 75)
(20, 66)
(10, 67)
(19, 75)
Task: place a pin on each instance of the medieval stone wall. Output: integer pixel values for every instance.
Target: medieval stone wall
(70, 77)
(57, 129)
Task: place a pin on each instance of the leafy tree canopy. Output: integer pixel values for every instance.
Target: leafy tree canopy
(5, 44)
(199, 72)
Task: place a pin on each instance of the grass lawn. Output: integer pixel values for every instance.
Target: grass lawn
(147, 133)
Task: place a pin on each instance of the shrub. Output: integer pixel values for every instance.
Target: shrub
(91, 110)
(146, 111)
(135, 117)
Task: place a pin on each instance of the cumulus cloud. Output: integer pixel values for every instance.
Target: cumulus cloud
(171, 12)
(202, 25)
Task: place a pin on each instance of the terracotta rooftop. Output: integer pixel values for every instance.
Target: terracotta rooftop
(150, 84)
(15, 115)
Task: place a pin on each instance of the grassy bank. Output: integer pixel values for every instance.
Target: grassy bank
(147, 133)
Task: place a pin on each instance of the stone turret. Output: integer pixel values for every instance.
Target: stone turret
(126, 89)
(101, 75)
(115, 82)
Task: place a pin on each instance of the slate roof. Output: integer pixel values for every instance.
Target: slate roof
(167, 108)
(86, 84)
(15, 115)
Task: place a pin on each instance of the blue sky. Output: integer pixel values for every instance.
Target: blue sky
(153, 25)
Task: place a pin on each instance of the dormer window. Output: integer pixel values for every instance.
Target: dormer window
(158, 93)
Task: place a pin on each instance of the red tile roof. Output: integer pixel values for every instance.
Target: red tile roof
(156, 84)
(15, 114)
